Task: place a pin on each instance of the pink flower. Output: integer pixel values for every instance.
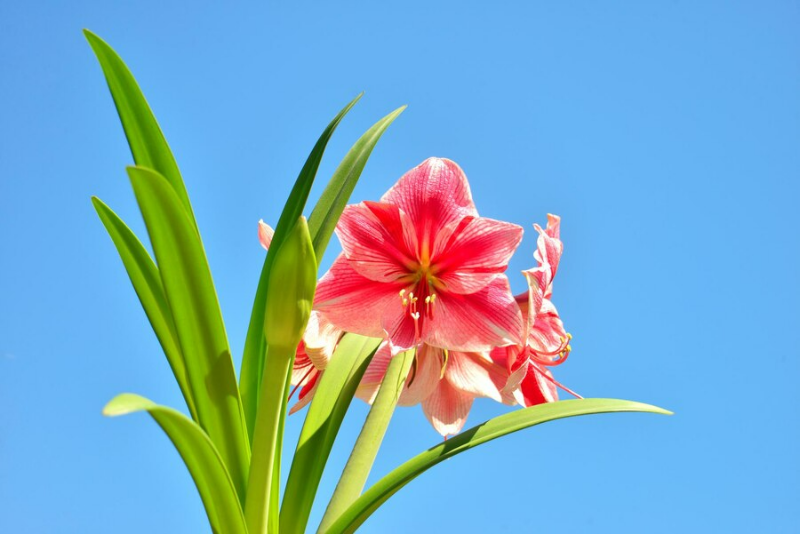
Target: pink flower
(445, 382)
(421, 266)
(547, 342)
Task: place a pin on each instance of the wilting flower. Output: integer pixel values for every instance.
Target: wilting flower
(445, 382)
(421, 266)
(547, 342)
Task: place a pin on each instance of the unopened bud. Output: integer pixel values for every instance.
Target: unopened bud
(290, 289)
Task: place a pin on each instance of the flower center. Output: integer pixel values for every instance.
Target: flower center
(415, 309)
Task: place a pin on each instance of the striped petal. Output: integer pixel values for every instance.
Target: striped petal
(422, 380)
(320, 339)
(476, 322)
(434, 194)
(473, 254)
(447, 408)
(534, 388)
(353, 303)
(379, 240)
(474, 374)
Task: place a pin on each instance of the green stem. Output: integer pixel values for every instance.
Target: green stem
(355, 473)
(265, 462)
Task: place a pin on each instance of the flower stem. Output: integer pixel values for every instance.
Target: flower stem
(262, 496)
(355, 473)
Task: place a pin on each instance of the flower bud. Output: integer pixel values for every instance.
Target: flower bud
(290, 289)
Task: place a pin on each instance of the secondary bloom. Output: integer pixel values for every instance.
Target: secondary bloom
(444, 382)
(421, 266)
(547, 342)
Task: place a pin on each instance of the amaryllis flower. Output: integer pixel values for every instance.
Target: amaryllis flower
(445, 382)
(547, 342)
(421, 266)
(314, 351)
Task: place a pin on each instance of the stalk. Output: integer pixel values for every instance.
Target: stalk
(355, 473)
(265, 462)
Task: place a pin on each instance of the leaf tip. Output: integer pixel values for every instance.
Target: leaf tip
(126, 403)
(91, 37)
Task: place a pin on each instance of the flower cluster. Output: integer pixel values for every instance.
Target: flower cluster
(422, 270)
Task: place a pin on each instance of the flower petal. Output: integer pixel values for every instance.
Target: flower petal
(531, 303)
(265, 233)
(549, 245)
(474, 253)
(534, 388)
(378, 240)
(425, 375)
(399, 327)
(548, 335)
(371, 381)
(422, 380)
(353, 303)
(434, 194)
(320, 339)
(306, 393)
(476, 322)
(447, 408)
(473, 374)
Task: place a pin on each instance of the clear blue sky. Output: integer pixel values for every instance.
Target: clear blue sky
(665, 134)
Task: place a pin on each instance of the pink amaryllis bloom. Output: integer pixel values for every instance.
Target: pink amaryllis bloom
(547, 342)
(444, 382)
(421, 266)
(315, 349)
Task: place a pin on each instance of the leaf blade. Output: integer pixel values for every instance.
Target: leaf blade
(331, 203)
(189, 290)
(387, 486)
(145, 138)
(325, 415)
(146, 280)
(201, 458)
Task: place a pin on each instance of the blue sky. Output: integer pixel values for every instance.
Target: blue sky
(665, 134)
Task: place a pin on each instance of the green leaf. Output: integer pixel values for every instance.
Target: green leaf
(333, 396)
(359, 464)
(375, 496)
(190, 293)
(255, 346)
(146, 281)
(147, 142)
(330, 205)
(200, 456)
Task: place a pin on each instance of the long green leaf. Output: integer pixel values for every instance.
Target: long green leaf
(359, 464)
(331, 400)
(146, 281)
(200, 456)
(198, 322)
(365, 505)
(255, 345)
(331, 203)
(147, 143)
